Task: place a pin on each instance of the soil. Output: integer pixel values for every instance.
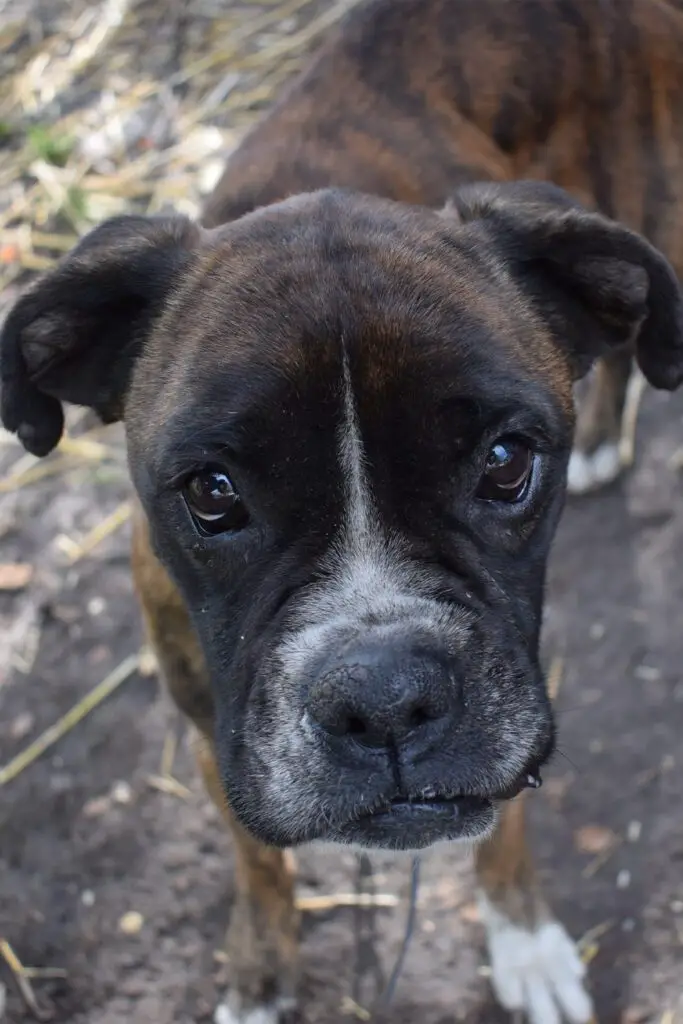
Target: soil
(87, 837)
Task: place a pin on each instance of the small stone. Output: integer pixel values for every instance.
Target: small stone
(648, 673)
(628, 924)
(122, 793)
(61, 782)
(428, 926)
(470, 913)
(633, 831)
(597, 631)
(22, 725)
(88, 898)
(96, 807)
(635, 1015)
(131, 923)
(147, 663)
(596, 746)
(623, 879)
(677, 906)
(96, 606)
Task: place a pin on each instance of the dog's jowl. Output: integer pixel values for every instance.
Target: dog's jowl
(348, 400)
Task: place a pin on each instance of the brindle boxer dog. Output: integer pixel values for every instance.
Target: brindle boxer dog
(349, 415)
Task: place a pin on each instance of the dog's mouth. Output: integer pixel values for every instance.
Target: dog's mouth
(417, 820)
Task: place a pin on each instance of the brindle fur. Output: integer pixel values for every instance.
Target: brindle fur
(410, 99)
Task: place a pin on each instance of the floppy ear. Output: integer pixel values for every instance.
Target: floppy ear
(73, 337)
(597, 284)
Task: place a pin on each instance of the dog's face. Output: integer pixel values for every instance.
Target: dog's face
(349, 423)
(353, 470)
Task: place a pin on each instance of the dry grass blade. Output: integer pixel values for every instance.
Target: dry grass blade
(22, 976)
(168, 753)
(45, 973)
(71, 719)
(298, 40)
(598, 862)
(350, 1008)
(37, 471)
(104, 529)
(588, 945)
(554, 680)
(346, 899)
(84, 448)
(70, 450)
(167, 784)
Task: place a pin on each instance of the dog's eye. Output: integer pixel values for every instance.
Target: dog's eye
(214, 503)
(507, 471)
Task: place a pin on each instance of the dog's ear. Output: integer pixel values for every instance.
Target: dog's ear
(73, 337)
(597, 284)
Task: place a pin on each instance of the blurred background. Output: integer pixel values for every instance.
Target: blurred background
(115, 879)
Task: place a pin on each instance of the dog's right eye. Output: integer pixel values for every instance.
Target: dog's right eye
(507, 471)
(215, 505)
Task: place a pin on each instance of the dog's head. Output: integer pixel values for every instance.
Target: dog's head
(349, 424)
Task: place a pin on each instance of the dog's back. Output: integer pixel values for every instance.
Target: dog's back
(411, 98)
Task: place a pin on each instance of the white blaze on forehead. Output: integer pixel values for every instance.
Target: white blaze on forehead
(359, 526)
(369, 583)
(369, 566)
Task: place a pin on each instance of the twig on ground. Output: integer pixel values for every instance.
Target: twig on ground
(71, 719)
(554, 681)
(346, 899)
(75, 550)
(23, 977)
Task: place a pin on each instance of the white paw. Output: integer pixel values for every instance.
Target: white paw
(590, 472)
(539, 972)
(267, 1014)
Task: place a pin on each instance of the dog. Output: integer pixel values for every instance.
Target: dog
(348, 403)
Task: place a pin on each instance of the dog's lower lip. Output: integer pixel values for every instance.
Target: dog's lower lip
(419, 821)
(456, 805)
(423, 801)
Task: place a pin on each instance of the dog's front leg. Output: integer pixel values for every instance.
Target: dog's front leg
(535, 967)
(263, 936)
(605, 425)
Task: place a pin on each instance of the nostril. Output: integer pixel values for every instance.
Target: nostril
(417, 717)
(355, 726)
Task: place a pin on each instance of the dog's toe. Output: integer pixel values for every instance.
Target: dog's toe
(537, 972)
(591, 472)
(268, 1013)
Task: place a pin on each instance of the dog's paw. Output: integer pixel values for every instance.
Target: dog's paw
(230, 1012)
(588, 473)
(537, 972)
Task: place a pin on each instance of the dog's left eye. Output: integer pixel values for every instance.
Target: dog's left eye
(215, 505)
(507, 471)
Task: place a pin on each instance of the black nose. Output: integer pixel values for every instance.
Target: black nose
(385, 694)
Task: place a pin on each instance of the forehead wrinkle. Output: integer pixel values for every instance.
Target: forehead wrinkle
(410, 282)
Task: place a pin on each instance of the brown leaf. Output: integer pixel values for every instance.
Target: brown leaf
(594, 839)
(470, 913)
(15, 576)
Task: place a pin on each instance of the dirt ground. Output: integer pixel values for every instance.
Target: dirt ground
(94, 832)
